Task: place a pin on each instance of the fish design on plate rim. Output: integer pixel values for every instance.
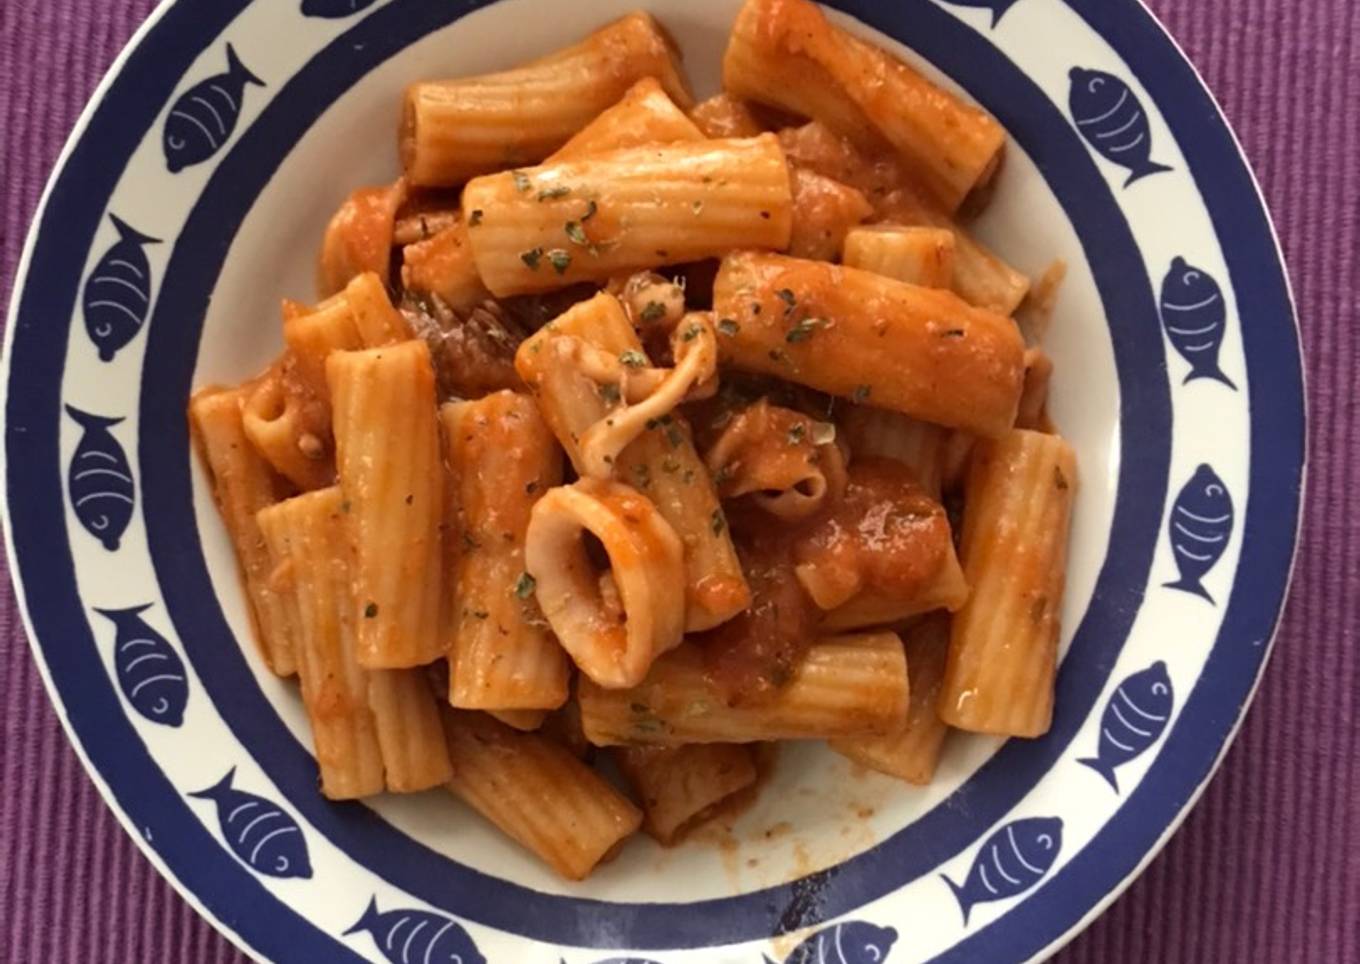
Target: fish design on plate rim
(1200, 525)
(1009, 862)
(260, 833)
(1110, 118)
(203, 117)
(997, 7)
(150, 673)
(430, 937)
(117, 294)
(849, 942)
(1194, 317)
(1134, 718)
(99, 478)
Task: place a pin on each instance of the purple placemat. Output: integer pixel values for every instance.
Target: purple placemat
(1267, 867)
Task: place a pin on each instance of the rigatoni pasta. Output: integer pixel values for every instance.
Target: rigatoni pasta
(387, 453)
(537, 793)
(453, 130)
(844, 686)
(912, 753)
(1003, 648)
(585, 219)
(502, 460)
(631, 430)
(785, 53)
(678, 786)
(919, 351)
(243, 484)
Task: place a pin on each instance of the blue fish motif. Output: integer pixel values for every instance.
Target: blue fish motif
(417, 936)
(100, 479)
(204, 116)
(117, 294)
(1193, 313)
(150, 672)
(1011, 861)
(1112, 121)
(1201, 522)
(261, 834)
(1133, 720)
(998, 7)
(852, 942)
(333, 9)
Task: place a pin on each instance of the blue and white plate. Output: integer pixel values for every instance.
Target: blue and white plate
(191, 198)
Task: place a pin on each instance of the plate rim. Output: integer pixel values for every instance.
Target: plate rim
(1261, 215)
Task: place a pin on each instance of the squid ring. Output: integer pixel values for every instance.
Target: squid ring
(612, 624)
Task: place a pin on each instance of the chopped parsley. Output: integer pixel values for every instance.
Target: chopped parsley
(790, 302)
(669, 465)
(717, 523)
(652, 311)
(797, 432)
(526, 585)
(952, 333)
(532, 257)
(728, 327)
(371, 610)
(860, 394)
(553, 193)
(480, 613)
(576, 234)
(643, 471)
(469, 543)
(475, 218)
(803, 330)
(692, 332)
(777, 354)
(674, 435)
(560, 260)
(609, 391)
(633, 358)
(521, 180)
(591, 208)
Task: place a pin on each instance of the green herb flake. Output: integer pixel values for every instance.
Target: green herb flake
(797, 432)
(522, 184)
(526, 585)
(674, 436)
(804, 329)
(591, 208)
(475, 218)
(560, 260)
(860, 394)
(470, 544)
(480, 614)
(576, 234)
(643, 472)
(345, 506)
(371, 611)
(692, 332)
(553, 193)
(633, 358)
(652, 311)
(790, 301)
(688, 477)
(777, 354)
(717, 523)
(532, 257)
(728, 327)
(609, 391)
(669, 465)
(952, 333)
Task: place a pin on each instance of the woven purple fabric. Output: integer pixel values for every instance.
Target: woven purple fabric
(1266, 868)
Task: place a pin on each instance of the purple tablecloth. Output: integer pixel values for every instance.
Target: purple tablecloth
(1266, 868)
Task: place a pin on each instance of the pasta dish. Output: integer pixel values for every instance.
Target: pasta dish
(628, 434)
